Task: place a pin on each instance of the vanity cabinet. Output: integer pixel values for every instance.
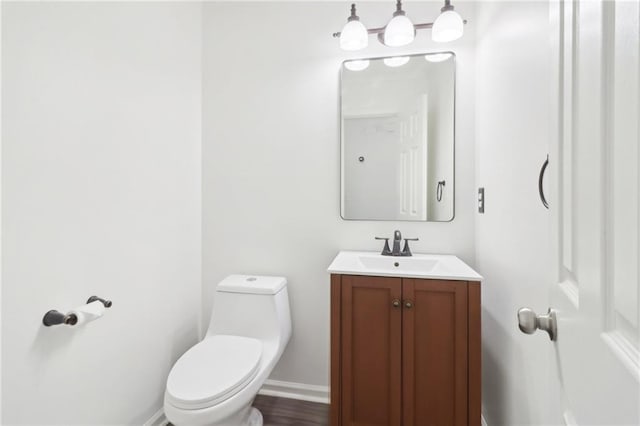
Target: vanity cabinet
(404, 351)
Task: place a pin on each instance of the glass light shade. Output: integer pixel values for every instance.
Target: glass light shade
(354, 36)
(437, 57)
(396, 61)
(399, 31)
(447, 27)
(357, 65)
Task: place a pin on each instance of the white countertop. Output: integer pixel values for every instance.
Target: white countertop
(433, 266)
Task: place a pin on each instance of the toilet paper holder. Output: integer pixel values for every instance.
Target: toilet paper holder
(54, 317)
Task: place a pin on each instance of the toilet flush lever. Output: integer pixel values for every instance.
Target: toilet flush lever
(529, 322)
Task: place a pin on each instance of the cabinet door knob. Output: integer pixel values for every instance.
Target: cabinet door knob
(395, 303)
(408, 304)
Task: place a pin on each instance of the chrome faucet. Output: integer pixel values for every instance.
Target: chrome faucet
(397, 238)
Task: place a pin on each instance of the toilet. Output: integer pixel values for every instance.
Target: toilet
(215, 382)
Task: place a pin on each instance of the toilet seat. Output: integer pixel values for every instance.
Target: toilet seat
(212, 371)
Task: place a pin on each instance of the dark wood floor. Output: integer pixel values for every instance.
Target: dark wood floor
(291, 412)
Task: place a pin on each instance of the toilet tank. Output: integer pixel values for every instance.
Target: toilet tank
(252, 306)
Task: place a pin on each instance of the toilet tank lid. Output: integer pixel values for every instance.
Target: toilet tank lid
(253, 284)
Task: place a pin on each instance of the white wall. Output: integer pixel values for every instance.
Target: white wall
(101, 114)
(512, 116)
(1, 233)
(271, 157)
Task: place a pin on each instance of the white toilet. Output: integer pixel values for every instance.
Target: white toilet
(215, 382)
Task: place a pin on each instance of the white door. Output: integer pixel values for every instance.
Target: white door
(594, 162)
(413, 160)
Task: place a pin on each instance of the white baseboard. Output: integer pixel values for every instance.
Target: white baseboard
(278, 388)
(158, 419)
(304, 392)
(483, 422)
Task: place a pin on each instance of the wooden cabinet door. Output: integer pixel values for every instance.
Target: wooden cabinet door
(371, 351)
(434, 353)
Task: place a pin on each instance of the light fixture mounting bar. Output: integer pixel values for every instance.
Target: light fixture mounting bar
(380, 30)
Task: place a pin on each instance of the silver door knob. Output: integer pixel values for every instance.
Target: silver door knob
(529, 322)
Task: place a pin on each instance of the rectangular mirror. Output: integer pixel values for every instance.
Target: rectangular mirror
(397, 138)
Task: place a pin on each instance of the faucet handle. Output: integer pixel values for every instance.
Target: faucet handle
(386, 251)
(406, 251)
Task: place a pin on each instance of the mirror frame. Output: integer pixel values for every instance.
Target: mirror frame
(341, 180)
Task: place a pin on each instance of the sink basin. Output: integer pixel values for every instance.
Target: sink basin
(435, 266)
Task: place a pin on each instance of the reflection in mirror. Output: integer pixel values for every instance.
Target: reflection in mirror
(398, 138)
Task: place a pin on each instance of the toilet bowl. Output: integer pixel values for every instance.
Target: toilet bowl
(215, 382)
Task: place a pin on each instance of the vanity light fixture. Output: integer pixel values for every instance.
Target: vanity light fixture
(354, 35)
(396, 61)
(357, 65)
(448, 26)
(400, 31)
